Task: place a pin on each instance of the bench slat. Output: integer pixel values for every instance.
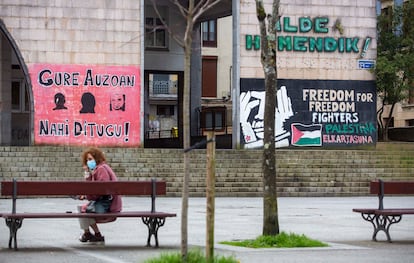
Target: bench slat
(395, 211)
(89, 215)
(65, 188)
(400, 187)
(364, 210)
(392, 211)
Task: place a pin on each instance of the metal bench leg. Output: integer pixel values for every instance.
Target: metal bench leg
(381, 223)
(384, 223)
(372, 219)
(14, 224)
(153, 225)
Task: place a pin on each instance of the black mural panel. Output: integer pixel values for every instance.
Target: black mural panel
(318, 113)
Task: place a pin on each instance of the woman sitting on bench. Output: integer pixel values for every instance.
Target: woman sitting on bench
(96, 169)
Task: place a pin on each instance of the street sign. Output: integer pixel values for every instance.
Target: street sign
(366, 64)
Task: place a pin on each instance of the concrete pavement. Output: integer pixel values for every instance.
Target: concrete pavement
(326, 219)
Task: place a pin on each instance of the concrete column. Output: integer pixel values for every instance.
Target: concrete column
(195, 90)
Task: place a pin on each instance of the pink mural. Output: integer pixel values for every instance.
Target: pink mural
(83, 105)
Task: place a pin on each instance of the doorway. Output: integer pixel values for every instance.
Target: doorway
(15, 94)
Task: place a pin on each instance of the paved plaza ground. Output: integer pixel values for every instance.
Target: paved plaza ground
(326, 219)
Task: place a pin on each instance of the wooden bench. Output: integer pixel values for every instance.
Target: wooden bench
(18, 189)
(382, 218)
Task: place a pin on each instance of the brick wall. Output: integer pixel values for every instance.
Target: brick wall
(238, 172)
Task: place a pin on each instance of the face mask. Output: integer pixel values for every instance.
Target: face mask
(91, 164)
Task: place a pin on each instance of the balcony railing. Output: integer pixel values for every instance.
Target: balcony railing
(161, 134)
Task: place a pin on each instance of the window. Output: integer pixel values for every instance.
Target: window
(409, 122)
(387, 12)
(213, 118)
(209, 77)
(209, 33)
(20, 96)
(411, 97)
(163, 85)
(156, 35)
(408, 14)
(165, 110)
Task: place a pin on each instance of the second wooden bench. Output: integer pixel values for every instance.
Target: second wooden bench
(382, 218)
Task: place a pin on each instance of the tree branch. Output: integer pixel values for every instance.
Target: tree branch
(202, 7)
(166, 26)
(182, 10)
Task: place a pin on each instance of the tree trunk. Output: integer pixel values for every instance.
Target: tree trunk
(387, 125)
(380, 124)
(268, 59)
(191, 14)
(186, 131)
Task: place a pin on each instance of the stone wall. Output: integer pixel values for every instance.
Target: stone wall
(355, 18)
(75, 32)
(238, 172)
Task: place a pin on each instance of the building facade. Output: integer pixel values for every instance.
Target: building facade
(110, 73)
(326, 94)
(64, 65)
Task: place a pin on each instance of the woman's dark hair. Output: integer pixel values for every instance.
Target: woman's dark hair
(97, 154)
(88, 103)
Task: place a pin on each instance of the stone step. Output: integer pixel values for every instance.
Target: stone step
(238, 172)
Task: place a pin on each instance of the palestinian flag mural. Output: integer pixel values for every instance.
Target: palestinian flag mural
(311, 113)
(306, 135)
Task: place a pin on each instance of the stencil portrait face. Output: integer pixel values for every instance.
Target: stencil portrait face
(118, 102)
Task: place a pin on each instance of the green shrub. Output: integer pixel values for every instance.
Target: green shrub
(193, 256)
(282, 240)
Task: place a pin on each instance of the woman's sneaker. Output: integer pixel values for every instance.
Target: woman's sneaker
(87, 236)
(97, 238)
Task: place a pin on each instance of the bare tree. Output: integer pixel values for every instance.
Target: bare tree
(268, 58)
(191, 11)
